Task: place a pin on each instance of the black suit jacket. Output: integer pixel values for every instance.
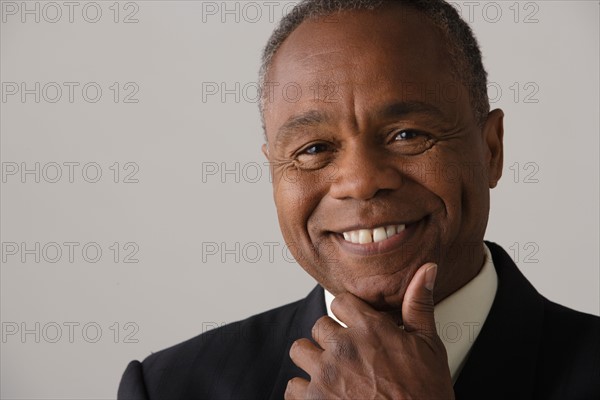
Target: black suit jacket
(528, 348)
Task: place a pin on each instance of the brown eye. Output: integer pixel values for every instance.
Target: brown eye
(315, 149)
(406, 135)
(412, 142)
(314, 156)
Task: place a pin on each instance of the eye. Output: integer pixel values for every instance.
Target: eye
(314, 156)
(407, 135)
(314, 149)
(411, 142)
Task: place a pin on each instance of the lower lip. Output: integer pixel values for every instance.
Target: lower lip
(375, 248)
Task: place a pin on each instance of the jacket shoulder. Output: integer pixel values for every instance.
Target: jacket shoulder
(222, 356)
(570, 353)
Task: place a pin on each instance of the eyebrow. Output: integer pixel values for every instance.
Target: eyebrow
(314, 118)
(303, 120)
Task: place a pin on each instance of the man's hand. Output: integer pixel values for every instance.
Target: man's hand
(374, 357)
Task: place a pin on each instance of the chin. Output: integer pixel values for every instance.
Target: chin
(382, 297)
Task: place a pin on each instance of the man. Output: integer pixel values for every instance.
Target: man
(382, 161)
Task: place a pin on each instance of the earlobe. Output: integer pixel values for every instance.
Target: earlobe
(493, 132)
(265, 150)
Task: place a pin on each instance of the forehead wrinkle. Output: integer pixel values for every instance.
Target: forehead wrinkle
(403, 108)
(327, 55)
(354, 117)
(325, 59)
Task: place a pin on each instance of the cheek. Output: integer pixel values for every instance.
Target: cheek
(453, 181)
(459, 180)
(440, 176)
(296, 195)
(459, 166)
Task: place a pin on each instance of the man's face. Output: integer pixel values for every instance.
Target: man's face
(367, 128)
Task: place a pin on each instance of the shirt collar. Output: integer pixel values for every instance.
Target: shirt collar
(460, 316)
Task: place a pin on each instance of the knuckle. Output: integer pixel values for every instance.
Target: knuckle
(372, 327)
(340, 300)
(292, 389)
(322, 330)
(289, 389)
(344, 349)
(296, 347)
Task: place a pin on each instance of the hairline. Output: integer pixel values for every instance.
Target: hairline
(459, 59)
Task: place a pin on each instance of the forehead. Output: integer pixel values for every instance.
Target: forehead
(391, 30)
(359, 60)
(389, 38)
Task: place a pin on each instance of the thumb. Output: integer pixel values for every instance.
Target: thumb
(417, 307)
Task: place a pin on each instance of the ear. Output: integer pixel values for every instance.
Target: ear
(265, 150)
(493, 134)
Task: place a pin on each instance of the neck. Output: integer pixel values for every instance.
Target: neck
(457, 270)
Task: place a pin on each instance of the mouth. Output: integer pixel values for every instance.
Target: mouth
(379, 234)
(381, 239)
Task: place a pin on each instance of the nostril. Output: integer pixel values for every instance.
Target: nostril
(365, 180)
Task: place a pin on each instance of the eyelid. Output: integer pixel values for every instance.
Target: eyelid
(304, 148)
(395, 131)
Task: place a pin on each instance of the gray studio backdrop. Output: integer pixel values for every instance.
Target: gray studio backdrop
(136, 205)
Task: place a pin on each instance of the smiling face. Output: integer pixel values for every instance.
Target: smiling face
(372, 140)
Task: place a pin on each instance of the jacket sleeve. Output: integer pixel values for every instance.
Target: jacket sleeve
(132, 385)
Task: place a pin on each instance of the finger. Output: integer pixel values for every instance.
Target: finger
(417, 307)
(325, 330)
(296, 389)
(353, 311)
(305, 355)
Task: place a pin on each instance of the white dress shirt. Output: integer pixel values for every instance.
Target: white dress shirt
(460, 316)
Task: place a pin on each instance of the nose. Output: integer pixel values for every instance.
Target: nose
(362, 172)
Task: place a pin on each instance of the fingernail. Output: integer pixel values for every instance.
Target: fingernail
(430, 275)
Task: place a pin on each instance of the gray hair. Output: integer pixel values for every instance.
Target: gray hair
(462, 46)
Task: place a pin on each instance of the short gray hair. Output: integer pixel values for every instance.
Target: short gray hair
(462, 46)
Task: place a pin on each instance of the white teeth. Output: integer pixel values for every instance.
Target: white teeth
(378, 234)
(364, 236)
(390, 230)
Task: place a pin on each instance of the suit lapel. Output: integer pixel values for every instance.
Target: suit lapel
(308, 312)
(502, 361)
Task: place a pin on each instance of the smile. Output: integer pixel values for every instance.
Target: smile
(362, 236)
(377, 240)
